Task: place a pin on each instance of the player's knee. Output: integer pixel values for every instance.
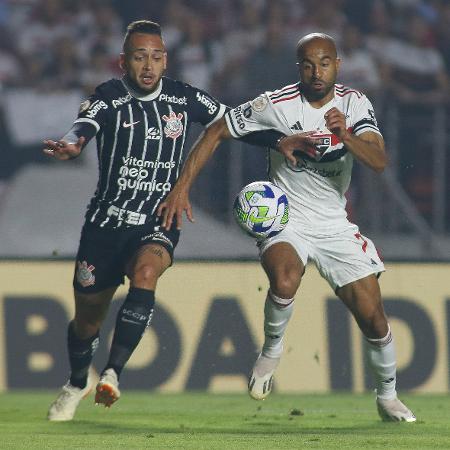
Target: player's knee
(374, 325)
(285, 285)
(145, 275)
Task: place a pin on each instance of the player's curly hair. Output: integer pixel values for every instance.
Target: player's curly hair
(141, 26)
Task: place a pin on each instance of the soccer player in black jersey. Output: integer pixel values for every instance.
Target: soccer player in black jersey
(140, 123)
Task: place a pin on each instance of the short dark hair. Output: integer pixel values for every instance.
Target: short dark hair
(141, 26)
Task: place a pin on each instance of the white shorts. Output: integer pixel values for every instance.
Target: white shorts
(340, 258)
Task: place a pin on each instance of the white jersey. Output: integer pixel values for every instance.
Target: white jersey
(315, 188)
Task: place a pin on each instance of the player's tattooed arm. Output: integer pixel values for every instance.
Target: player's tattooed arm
(177, 201)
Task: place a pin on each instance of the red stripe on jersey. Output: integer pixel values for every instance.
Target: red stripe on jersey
(286, 98)
(334, 139)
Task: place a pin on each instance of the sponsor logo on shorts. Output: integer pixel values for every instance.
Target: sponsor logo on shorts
(84, 274)
(157, 236)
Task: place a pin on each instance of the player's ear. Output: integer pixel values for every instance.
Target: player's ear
(338, 63)
(122, 62)
(165, 60)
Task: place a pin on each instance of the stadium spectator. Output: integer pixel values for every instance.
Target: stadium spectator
(415, 69)
(315, 182)
(358, 68)
(238, 44)
(272, 52)
(196, 57)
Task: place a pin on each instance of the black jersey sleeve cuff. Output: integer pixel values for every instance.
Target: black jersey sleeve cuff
(266, 138)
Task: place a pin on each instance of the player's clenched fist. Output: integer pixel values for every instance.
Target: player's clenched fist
(335, 122)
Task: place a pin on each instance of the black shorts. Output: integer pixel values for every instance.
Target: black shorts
(103, 253)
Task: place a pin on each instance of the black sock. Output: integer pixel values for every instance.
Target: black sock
(132, 319)
(81, 352)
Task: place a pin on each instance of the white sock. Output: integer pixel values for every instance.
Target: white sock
(277, 312)
(380, 354)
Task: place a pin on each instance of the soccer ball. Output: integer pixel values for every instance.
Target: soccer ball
(261, 209)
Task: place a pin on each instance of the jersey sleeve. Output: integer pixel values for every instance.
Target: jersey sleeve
(204, 108)
(94, 110)
(364, 117)
(256, 115)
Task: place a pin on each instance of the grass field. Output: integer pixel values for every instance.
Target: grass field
(210, 421)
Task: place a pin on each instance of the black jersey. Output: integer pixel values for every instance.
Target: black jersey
(140, 142)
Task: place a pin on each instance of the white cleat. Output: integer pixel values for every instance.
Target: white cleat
(107, 388)
(394, 410)
(65, 405)
(260, 381)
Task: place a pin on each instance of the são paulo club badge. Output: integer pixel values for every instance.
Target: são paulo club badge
(174, 125)
(84, 274)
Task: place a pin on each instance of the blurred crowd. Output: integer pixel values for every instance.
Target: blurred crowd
(233, 48)
(395, 51)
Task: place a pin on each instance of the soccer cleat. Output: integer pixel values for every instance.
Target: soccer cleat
(394, 410)
(65, 405)
(107, 388)
(260, 381)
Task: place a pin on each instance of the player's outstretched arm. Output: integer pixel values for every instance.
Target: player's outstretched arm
(72, 143)
(177, 201)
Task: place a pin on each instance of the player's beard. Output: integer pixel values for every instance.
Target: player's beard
(315, 96)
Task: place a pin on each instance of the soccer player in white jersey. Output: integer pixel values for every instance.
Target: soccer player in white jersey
(313, 167)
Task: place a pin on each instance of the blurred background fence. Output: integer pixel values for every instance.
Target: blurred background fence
(54, 52)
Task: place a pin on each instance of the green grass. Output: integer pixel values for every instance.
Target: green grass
(206, 421)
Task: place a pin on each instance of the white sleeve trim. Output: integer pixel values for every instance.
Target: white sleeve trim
(229, 122)
(219, 115)
(368, 129)
(86, 120)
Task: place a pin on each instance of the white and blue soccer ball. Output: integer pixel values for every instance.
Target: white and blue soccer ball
(261, 209)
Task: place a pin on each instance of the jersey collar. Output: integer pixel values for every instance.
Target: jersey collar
(145, 98)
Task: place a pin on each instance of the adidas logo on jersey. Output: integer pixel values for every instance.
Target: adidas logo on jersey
(297, 126)
(153, 133)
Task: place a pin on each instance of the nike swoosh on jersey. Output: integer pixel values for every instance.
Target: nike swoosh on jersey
(128, 125)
